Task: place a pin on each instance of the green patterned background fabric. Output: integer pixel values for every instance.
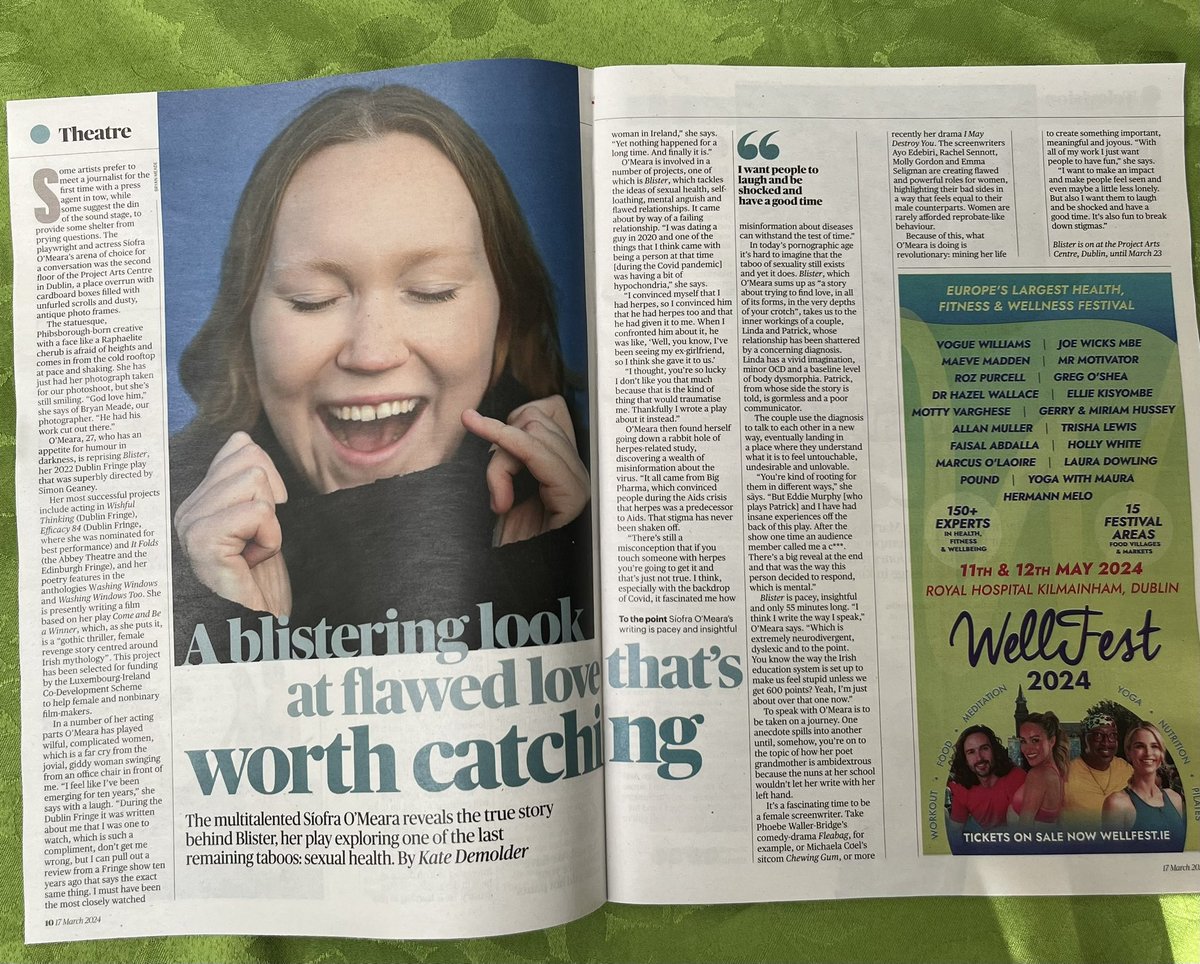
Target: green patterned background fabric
(50, 49)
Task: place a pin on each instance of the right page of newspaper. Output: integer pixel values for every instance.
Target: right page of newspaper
(896, 484)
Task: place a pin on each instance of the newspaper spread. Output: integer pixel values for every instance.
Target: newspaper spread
(451, 497)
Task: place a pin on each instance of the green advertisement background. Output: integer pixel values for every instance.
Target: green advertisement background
(52, 48)
(1046, 535)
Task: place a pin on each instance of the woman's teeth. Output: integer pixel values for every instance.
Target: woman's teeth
(370, 428)
(369, 413)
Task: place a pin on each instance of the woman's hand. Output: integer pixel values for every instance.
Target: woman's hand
(539, 437)
(229, 530)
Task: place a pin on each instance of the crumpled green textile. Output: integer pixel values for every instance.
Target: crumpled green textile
(52, 48)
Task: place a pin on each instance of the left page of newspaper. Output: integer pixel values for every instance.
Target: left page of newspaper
(304, 507)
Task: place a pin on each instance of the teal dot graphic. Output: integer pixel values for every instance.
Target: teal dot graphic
(40, 134)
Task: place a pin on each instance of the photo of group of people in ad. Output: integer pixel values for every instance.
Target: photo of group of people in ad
(1104, 784)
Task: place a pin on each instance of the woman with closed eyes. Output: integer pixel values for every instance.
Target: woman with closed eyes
(382, 313)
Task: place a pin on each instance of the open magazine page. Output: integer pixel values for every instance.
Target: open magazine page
(897, 491)
(308, 620)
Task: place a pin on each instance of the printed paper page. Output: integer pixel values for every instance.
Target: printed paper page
(897, 365)
(308, 646)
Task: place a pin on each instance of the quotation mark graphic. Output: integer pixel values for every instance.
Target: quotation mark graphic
(764, 149)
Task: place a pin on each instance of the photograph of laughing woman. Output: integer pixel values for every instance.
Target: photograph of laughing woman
(381, 434)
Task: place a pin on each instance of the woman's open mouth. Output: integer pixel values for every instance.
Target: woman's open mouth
(371, 428)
